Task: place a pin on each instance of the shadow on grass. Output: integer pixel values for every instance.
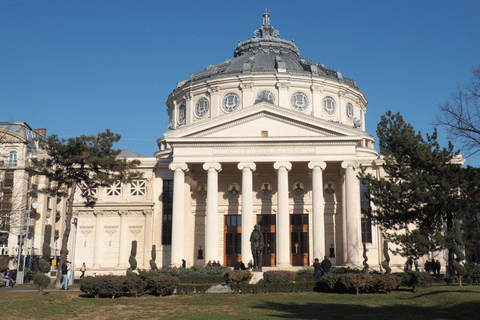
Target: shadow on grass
(442, 291)
(467, 310)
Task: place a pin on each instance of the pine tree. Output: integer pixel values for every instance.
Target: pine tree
(84, 162)
(422, 194)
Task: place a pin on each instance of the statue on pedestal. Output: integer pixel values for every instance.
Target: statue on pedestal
(256, 243)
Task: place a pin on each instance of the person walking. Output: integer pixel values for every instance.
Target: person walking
(317, 269)
(64, 285)
(83, 268)
(326, 265)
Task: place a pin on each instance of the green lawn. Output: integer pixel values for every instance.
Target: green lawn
(430, 303)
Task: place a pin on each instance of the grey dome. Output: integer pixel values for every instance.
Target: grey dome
(267, 53)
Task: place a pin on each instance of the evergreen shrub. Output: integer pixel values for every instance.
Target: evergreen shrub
(237, 276)
(279, 276)
(356, 283)
(161, 285)
(133, 286)
(103, 286)
(41, 280)
(472, 274)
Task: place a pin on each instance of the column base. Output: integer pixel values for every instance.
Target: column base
(284, 265)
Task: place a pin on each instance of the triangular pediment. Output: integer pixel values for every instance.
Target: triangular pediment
(264, 120)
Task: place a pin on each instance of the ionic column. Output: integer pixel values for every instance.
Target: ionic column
(211, 228)
(97, 253)
(354, 232)
(318, 206)
(247, 208)
(283, 248)
(178, 213)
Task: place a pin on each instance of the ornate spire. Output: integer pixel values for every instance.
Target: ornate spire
(266, 30)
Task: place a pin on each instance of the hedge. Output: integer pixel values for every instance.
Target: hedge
(237, 276)
(413, 279)
(356, 283)
(201, 279)
(279, 276)
(272, 287)
(192, 288)
(472, 276)
(116, 286)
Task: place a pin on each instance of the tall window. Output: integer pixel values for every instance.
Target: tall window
(366, 211)
(12, 159)
(167, 201)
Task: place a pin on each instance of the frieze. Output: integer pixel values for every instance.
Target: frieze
(264, 151)
(135, 212)
(83, 213)
(283, 85)
(110, 212)
(246, 86)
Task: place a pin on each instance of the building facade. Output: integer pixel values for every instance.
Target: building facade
(22, 225)
(267, 138)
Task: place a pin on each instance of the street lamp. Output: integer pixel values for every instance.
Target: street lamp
(23, 242)
(74, 240)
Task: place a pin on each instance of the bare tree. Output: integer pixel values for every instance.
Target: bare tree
(461, 115)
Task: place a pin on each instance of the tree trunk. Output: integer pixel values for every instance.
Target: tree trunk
(450, 238)
(66, 234)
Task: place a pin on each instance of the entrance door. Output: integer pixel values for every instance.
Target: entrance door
(268, 224)
(233, 239)
(299, 239)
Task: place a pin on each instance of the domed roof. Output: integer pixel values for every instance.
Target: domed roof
(267, 53)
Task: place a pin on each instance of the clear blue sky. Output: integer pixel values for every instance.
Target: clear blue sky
(78, 67)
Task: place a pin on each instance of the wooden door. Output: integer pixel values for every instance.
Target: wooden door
(268, 224)
(233, 239)
(299, 239)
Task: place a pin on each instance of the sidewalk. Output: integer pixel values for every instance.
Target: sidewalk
(30, 287)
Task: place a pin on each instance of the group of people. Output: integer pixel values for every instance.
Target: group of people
(321, 269)
(433, 266)
(408, 266)
(213, 264)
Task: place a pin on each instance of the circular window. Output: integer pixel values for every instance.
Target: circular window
(265, 96)
(230, 102)
(201, 108)
(299, 101)
(329, 105)
(349, 111)
(182, 113)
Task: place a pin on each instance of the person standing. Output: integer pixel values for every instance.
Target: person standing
(317, 269)
(64, 285)
(433, 266)
(326, 265)
(438, 266)
(415, 263)
(83, 268)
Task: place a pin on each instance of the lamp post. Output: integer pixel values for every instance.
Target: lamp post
(74, 240)
(23, 242)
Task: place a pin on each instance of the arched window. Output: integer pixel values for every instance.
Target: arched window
(12, 160)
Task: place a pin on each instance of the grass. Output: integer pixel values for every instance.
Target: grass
(429, 303)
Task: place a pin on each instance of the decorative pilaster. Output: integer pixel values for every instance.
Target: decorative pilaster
(353, 214)
(318, 205)
(97, 254)
(178, 213)
(211, 232)
(283, 248)
(123, 250)
(247, 208)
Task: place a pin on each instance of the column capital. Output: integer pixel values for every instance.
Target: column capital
(212, 165)
(286, 165)
(178, 165)
(247, 165)
(346, 164)
(317, 164)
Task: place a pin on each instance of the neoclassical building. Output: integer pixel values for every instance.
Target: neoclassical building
(266, 137)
